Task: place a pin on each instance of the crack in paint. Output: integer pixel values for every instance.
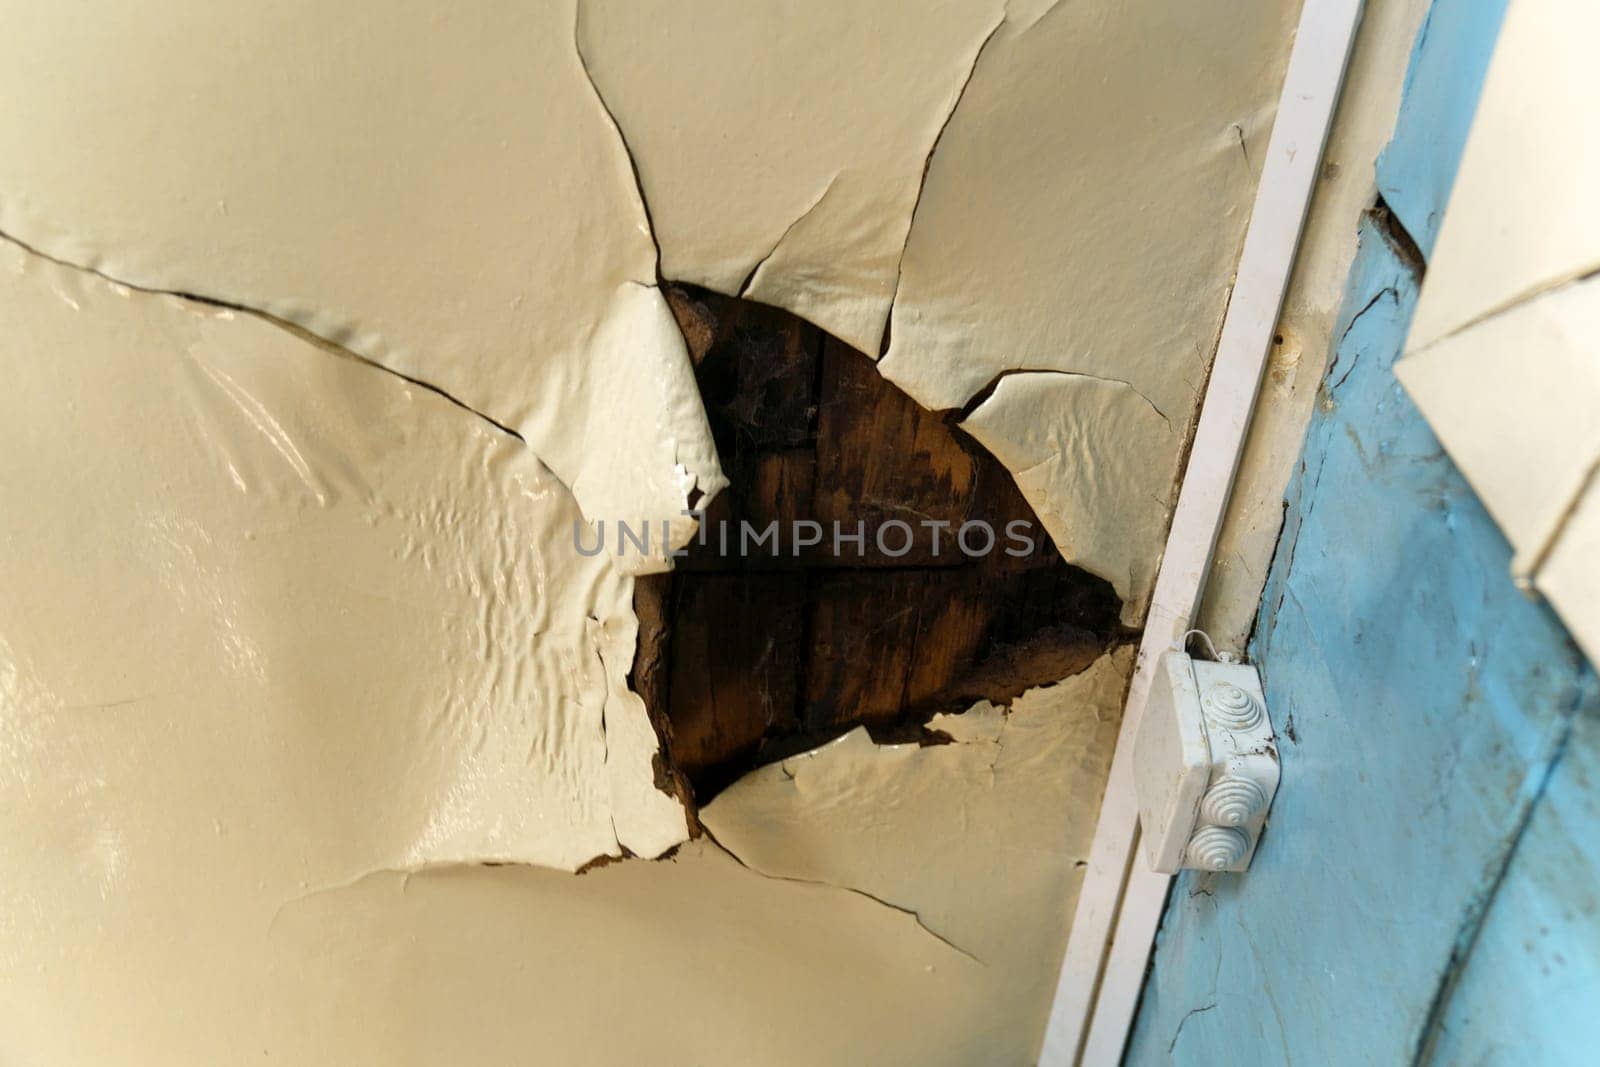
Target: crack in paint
(924, 927)
(317, 341)
(982, 396)
(744, 287)
(1393, 294)
(622, 138)
(338, 351)
(922, 182)
(405, 874)
(1191, 1013)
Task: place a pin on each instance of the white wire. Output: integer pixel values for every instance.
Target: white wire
(1221, 657)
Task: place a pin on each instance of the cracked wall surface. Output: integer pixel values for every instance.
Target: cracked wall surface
(864, 177)
(229, 552)
(325, 328)
(440, 192)
(1062, 194)
(833, 109)
(251, 647)
(982, 839)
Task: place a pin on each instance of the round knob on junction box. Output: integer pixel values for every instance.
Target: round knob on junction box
(1232, 802)
(1216, 848)
(1228, 705)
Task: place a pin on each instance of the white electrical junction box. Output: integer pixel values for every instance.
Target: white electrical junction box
(1205, 765)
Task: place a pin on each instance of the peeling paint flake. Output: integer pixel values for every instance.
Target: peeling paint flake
(1103, 507)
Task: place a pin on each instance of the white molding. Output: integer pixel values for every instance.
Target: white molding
(1119, 907)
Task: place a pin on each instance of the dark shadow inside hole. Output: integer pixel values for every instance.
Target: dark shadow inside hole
(749, 656)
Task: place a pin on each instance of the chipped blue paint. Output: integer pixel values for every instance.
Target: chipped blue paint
(1448, 63)
(1425, 709)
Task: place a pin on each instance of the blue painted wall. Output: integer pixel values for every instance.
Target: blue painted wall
(1435, 844)
(1448, 63)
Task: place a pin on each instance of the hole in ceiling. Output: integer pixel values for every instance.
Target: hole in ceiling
(746, 657)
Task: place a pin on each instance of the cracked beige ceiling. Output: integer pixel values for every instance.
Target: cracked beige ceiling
(1060, 188)
(438, 191)
(982, 839)
(323, 325)
(234, 558)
